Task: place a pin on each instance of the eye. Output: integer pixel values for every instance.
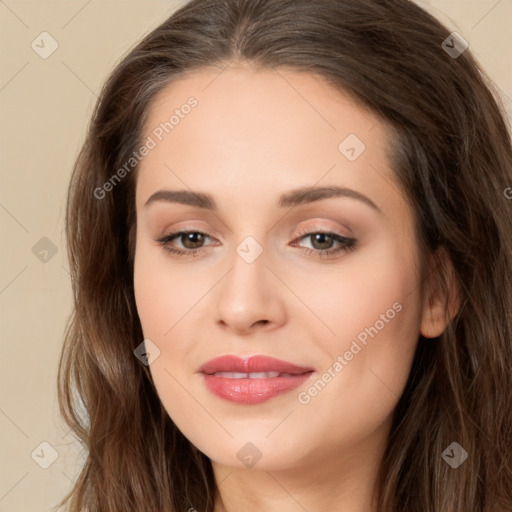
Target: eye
(324, 243)
(191, 241)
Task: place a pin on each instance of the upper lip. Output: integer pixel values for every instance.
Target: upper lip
(251, 364)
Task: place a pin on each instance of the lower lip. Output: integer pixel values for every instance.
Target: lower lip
(252, 391)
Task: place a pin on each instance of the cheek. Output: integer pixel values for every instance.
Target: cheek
(366, 367)
(169, 301)
(152, 300)
(375, 314)
(162, 297)
(162, 305)
(373, 294)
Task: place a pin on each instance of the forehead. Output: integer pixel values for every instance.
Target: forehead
(273, 99)
(255, 125)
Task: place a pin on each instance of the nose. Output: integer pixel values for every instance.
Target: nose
(251, 298)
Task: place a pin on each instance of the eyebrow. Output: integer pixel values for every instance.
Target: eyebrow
(289, 199)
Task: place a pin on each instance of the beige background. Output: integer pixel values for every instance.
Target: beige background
(45, 105)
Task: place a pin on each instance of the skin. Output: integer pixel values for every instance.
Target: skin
(254, 135)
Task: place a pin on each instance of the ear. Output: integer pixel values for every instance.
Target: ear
(442, 295)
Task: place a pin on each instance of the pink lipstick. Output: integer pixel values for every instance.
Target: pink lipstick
(251, 380)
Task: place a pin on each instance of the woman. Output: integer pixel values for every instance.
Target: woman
(290, 247)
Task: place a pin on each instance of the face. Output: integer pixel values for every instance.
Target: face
(298, 259)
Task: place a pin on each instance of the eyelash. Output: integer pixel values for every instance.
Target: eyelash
(347, 244)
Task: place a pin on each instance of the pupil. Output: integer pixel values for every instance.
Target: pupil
(321, 238)
(193, 240)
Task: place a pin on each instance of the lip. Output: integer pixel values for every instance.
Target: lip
(252, 390)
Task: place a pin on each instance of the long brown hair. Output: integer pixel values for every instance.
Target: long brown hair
(452, 156)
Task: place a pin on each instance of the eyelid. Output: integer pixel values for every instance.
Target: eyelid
(308, 230)
(348, 241)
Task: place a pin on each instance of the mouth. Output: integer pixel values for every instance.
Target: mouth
(252, 380)
(252, 375)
